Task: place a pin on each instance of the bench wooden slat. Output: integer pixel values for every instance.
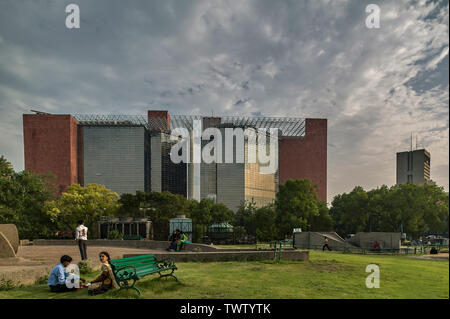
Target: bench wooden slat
(129, 259)
(137, 264)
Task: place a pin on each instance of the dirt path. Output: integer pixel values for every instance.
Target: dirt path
(51, 254)
(34, 262)
(442, 256)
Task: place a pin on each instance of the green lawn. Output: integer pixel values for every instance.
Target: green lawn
(326, 275)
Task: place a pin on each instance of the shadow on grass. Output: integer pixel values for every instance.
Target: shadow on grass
(160, 285)
(151, 287)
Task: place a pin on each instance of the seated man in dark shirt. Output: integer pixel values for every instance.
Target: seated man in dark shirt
(173, 241)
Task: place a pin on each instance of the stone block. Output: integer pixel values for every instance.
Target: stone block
(11, 234)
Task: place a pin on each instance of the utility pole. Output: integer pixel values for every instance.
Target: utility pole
(410, 147)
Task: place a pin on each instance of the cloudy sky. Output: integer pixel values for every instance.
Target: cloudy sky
(261, 57)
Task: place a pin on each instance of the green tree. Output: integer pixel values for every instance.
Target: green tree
(161, 207)
(82, 203)
(323, 221)
(350, 211)
(221, 213)
(22, 198)
(6, 170)
(129, 206)
(420, 209)
(381, 216)
(245, 217)
(265, 223)
(200, 212)
(417, 209)
(296, 205)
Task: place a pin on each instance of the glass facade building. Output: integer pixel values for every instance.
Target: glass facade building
(129, 153)
(143, 159)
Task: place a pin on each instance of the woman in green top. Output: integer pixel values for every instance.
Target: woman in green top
(182, 238)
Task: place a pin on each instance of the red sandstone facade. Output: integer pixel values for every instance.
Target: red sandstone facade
(50, 143)
(306, 157)
(160, 119)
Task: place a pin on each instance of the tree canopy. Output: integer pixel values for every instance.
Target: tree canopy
(22, 197)
(296, 206)
(82, 203)
(413, 209)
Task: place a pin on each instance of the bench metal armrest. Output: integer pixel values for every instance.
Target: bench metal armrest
(166, 263)
(125, 273)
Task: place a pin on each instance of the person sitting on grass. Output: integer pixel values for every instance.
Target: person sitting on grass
(58, 276)
(105, 281)
(182, 239)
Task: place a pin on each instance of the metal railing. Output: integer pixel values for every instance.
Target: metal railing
(278, 246)
(413, 250)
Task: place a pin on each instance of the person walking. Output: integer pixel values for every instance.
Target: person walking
(325, 244)
(81, 238)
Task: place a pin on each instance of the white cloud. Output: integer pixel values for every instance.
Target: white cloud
(302, 59)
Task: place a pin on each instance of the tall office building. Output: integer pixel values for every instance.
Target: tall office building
(413, 167)
(127, 153)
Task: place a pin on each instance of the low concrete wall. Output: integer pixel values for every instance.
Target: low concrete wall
(314, 240)
(387, 240)
(229, 256)
(6, 249)
(24, 242)
(143, 244)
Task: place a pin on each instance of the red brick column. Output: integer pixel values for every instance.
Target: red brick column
(159, 119)
(306, 157)
(50, 145)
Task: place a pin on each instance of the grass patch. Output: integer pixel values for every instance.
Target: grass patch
(84, 267)
(42, 281)
(328, 275)
(6, 284)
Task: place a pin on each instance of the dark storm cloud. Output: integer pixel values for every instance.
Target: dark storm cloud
(261, 57)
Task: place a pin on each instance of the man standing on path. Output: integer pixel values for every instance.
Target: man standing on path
(325, 244)
(81, 238)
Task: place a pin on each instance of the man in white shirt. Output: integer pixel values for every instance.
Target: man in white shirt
(81, 238)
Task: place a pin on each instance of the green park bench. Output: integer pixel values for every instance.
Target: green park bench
(129, 270)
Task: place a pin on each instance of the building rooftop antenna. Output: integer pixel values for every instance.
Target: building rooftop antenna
(411, 147)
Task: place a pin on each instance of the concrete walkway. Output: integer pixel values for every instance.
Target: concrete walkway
(51, 254)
